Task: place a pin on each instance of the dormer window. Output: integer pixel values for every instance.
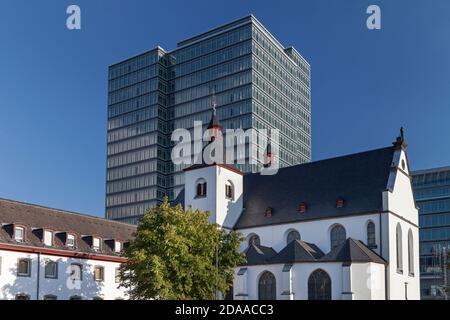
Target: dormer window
(201, 188)
(48, 238)
(229, 190)
(96, 244)
(268, 212)
(302, 207)
(70, 241)
(19, 234)
(117, 247)
(339, 203)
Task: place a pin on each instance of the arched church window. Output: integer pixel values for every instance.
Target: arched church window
(319, 285)
(371, 241)
(229, 190)
(398, 242)
(267, 287)
(337, 236)
(201, 188)
(410, 253)
(292, 235)
(254, 239)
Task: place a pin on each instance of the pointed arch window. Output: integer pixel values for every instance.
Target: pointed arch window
(267, 286)
(398, 242)
(410, 253)
(319, 285)
(337, 236)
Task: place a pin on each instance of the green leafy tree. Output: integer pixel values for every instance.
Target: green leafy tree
(178, 254)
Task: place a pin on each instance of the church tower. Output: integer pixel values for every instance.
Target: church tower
(215, 186)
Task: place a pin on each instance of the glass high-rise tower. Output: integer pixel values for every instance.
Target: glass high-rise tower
(432, 193)
(257, 84)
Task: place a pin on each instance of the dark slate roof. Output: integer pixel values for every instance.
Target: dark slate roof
(257, 254)
(352, 251)
(298, 251)
(34, 217)
(359, 179)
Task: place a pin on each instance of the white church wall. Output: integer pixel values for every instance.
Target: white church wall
(401, 207)
(367, 281)
(316, 232)
(401, 199)
(300, 275)
(224, 212)
(207, 203)
(398, 281)
(302, 271)
(228, 210)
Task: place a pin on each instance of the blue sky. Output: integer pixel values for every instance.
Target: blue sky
(365, 84)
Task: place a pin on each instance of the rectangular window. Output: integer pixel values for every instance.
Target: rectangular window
(96, 244)
(24, 268)
(76, 273)
(70, 241)
(117, 247)
(19, 234)
(99, 273)
(48, 238)
(51, 269)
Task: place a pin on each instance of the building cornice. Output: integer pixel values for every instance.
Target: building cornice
(61, 253)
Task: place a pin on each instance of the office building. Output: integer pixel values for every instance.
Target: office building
(257, 83)
(432, 193)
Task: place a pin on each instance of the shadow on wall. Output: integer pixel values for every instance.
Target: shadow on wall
(59, 279)
(235, 207)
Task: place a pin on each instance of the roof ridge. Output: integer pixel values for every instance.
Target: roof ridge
(359, 247)
(303, 243)
(363, 247)
(327, 159)
(62, 211)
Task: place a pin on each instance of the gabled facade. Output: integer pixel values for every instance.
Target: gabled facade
(342, 228)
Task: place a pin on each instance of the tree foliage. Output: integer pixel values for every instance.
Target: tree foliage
(178, 254)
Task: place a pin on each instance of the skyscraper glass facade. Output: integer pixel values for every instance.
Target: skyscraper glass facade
(257, 84)
(432, 193)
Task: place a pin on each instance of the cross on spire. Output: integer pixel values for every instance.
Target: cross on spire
(400, 142)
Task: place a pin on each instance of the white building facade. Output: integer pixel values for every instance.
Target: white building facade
(344, 228)
(49, 254)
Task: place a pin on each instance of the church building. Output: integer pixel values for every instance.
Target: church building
(344, 228)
